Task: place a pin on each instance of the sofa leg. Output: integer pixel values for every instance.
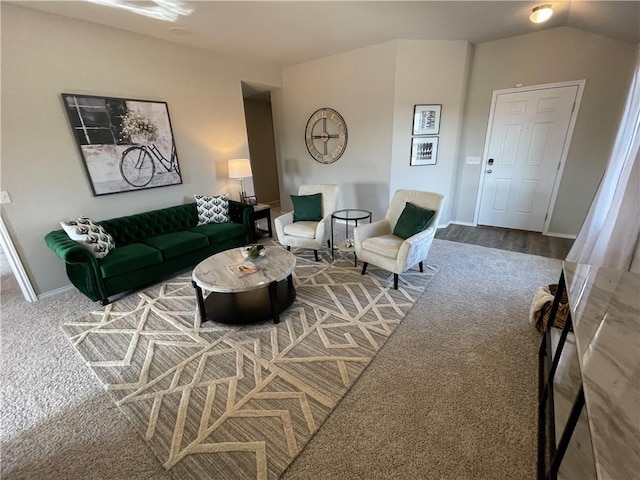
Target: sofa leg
(421, 267)
(364, 268)
(328, 243)
(104, 302)
(289, 248)
(315, 254)
(395, 281)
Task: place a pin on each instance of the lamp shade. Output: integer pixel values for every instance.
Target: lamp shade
(239, 168)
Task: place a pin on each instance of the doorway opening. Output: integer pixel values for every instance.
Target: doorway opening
(262, 144)
(12, 265)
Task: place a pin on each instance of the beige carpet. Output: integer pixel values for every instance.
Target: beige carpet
(216, 401)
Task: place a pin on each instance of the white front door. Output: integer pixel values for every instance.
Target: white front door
(525, 145)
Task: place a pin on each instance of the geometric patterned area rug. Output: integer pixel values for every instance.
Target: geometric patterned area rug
(240, 402)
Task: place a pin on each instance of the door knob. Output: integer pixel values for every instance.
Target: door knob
(489, 171)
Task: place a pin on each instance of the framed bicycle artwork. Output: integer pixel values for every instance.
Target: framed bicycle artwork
(125, 144)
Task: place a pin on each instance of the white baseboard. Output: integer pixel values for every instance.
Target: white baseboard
(455, 222)
(560, 235)
(55, 292)
(466, 224)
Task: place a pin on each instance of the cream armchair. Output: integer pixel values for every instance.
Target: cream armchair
(308, 234)
(375, 243)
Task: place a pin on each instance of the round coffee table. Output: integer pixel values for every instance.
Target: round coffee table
(249, 298)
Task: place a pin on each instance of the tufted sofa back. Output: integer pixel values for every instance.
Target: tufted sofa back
(133, 228)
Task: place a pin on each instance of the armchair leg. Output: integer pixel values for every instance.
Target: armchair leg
(289, 248)
(364, 268)
(104, 302)
(315, 254)
(421, 267)
(328, 243)
(395, 281)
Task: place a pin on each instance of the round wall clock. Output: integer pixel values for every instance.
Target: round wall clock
(326, 135)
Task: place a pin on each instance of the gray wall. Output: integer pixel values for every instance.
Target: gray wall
(429, 72)
(359, 85)
(556, 55)
(44, 55)
(374, 89)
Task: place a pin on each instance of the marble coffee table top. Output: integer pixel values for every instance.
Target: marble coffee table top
(605, 309)
(213, 274)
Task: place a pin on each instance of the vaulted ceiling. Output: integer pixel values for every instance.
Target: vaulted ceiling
(290, 32)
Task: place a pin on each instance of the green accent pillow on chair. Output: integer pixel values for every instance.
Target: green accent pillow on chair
(412, 220)
(307, 208)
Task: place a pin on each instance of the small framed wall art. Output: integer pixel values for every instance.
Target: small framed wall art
(426, 119)
(424, 151)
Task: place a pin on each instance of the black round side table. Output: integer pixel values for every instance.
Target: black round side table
(348, 215)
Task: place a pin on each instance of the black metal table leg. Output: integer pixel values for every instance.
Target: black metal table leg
(200, 300)
(273, 299)
(332, 246)
(574, 415)
(355, 257)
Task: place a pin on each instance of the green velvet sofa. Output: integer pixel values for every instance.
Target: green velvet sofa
(149, 246)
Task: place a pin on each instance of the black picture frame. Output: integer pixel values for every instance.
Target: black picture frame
(424, 151)
(426, 119)
(250, 200)
(125, 144)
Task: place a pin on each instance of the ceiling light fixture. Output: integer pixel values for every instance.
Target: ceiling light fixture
(166, 10)
(541, 13)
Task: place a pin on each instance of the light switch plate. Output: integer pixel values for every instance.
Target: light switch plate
(473, 160)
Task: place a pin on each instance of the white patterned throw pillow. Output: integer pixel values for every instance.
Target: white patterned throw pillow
(212, 209)
(90, 235)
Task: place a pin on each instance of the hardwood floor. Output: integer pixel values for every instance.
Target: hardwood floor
(506, 239)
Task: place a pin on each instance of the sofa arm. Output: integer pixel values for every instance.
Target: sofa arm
(82, 267)
(241, 213)
(68, 250)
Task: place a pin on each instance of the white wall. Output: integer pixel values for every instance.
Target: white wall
(358, 85)
(44, 55)
(429, 72)
(374, 89)
(555, 55)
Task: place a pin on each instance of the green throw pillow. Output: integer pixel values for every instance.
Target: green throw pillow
(307, 208)
(413, 219)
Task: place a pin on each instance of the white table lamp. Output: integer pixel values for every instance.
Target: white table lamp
(240, 168)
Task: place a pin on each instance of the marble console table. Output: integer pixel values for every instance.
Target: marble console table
(604, 308)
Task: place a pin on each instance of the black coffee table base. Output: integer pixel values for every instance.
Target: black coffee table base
(247, 307)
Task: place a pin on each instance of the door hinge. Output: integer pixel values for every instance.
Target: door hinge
(545, 216)
(559, 163)
(573, 107)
